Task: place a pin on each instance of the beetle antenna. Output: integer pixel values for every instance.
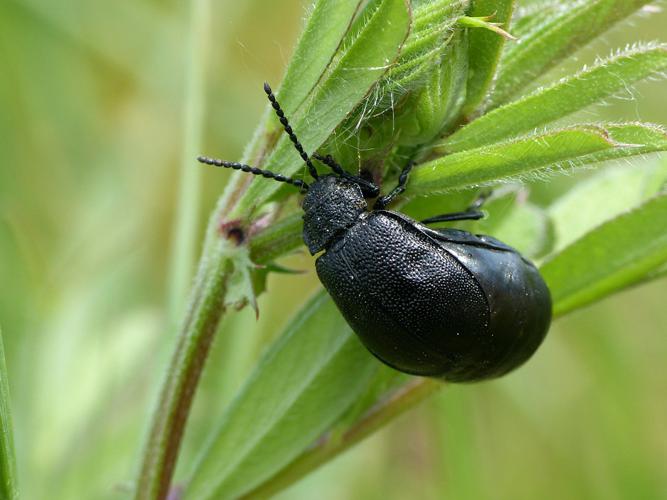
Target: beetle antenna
(290, 132)
(253, 170)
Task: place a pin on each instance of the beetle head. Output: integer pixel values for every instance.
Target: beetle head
(331, 205)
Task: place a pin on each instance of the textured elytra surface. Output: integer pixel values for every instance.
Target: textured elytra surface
(446, 304)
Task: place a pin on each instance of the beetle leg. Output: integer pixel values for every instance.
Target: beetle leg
(470, 213)
(454, 216)
(480, 200)
(383, 201)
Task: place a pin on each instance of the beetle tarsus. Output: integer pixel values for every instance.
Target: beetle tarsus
(383, 201)
(470, 213)
(455, 216)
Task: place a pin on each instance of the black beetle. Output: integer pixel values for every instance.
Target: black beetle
(440, 303)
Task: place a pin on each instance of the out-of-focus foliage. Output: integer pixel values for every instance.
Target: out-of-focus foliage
(91, 134)
(8, 476)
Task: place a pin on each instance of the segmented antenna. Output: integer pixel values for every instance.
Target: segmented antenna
(290, 132)
(331, 163)
(253, 170)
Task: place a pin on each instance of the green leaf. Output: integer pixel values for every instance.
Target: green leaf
(365, 134)
(8, 483)
(410, 75)
(278, 239)
(518, 158)
(638, 138)
(321, 37)
(327, 25)
(571, 94)
(606, 194)
(309, 377)
(432, 29)
(661, 272)
(360, 62)
(434, 107)
(485, 48)
(515, 221)
(431, 12)
(618, 254)
(401, 393)
(323, 33)
(555, 38)
(384, 382)
(527, 18)
(423, 207)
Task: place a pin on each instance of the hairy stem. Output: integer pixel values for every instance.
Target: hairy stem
(181, 381)
(206, 306)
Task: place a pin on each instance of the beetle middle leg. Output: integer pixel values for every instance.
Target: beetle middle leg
(383, 201)
(473, 212)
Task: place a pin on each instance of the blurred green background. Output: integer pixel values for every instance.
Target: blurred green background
(92, 130)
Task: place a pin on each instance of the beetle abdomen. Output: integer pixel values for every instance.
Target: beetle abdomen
(416, 305)
(412, 304)
(519, 300)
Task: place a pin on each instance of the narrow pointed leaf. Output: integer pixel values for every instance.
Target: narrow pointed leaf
(599, 198)
(392, 404)
(431, 31)
(556, 37)
(8, 480)
(520, 224)
(618, 254)
(308, 379)
(519, 158)
(431, 12)
(485, 48)
(320, 41)
(409, 76)
(423, 51)
(360, 62)
(571, 94)
(637, 138)
(279, 238)
(435, 106)
(527, 18)
(327, 24)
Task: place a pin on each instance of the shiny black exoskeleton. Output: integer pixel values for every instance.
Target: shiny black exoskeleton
(440, 303)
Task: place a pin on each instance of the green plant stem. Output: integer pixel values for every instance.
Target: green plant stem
(400, 401)
(206, 309)
(184, 371)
